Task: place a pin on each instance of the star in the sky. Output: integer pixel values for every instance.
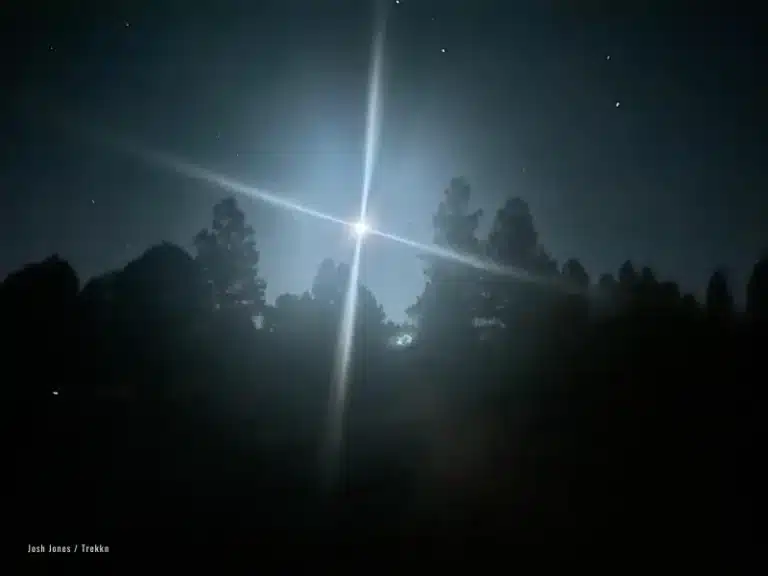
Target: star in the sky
(442, 50)
(618, 104)
(127, 24)
(608, 57)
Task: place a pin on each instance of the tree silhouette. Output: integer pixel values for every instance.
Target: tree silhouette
(38, 309)
(451, 297)
(757, 291)
(292, 315)
(329, 285)
(545, 265)
(519, 433)
(644, 288)
(100, 290)
(229, 261)
(40, 285)
(576, 280)
(164, 283)
(607, 284)
(647, 278)
(513, 240)
(668, 294)
(627, 277)
(329, 290)
(575, 275)
(719, 297)
(689, 305)
(370, 312)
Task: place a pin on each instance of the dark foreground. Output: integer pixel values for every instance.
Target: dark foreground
(646, 457)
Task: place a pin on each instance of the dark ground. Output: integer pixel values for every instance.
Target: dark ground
(625, 443)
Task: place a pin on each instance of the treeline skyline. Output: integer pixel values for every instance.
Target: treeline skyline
(512, 240)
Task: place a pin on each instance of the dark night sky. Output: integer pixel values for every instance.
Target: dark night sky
(522, 102)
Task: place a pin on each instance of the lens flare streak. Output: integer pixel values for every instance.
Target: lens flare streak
(199, 173)
(337, 412)
(486, 265)
(335, 433)
(360, 228)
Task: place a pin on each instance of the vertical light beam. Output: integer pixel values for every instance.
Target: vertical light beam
(343, 359)
(373, 116)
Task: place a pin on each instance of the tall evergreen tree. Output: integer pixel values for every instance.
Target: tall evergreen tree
(229, 261)
(575, 275)
(719, 297)
(329, 291)
(514, 242)
(576, 282)
(627, 277)
(513, 239)
(450, 300)
(329, 285)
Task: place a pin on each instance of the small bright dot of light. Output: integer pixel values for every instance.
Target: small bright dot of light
(442, 50)
(361, 228)
(618, 104)
(55, 392)
(404, 340)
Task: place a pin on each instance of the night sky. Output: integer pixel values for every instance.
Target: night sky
(519, 97)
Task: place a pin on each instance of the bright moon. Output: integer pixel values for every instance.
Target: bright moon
(361, 228)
